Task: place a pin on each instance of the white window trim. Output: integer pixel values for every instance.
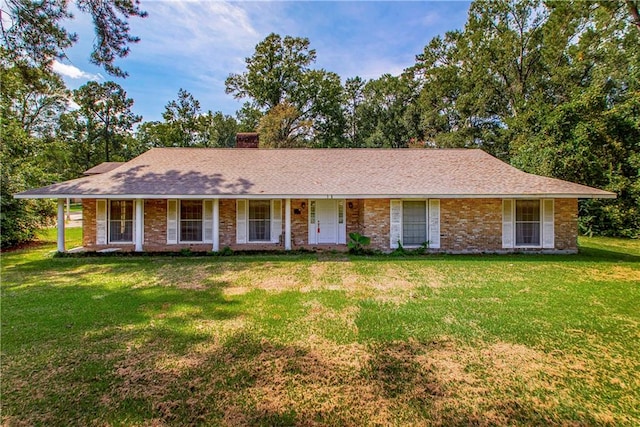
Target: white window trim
(133, 226)
(271, 207)
(201, 241)
(515, 224)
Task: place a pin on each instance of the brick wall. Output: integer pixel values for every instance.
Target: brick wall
(155, 224)
(227, 212)
(466, 225)
(89, 229)
(353, 216)
(228, 227)
(88, 222)
(375, 222)
(470, 225)
(299, 223)
(155, 230)
(566, 224)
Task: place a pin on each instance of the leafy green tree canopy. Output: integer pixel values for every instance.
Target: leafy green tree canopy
(273, 72)
(105, 111)
(33, 31)
(185, 125)
(279, 77)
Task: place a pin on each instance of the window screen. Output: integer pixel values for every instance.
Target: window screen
(414, 223)
(527, 222)
(121, 221)
(259, 220)
(190, 220)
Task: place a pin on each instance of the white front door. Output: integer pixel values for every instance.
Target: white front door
(325, 224)
(327, 221)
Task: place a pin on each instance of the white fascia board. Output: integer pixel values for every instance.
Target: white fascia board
(467, 196)
(317, 196)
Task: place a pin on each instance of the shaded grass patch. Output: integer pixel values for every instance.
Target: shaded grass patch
(348, 340)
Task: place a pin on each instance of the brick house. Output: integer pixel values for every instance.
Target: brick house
(204, 199)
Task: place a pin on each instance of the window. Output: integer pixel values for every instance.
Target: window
(191, 220)
(414, 223)
(259, 220)
(312, 212)
(121, 221)
(527, 222)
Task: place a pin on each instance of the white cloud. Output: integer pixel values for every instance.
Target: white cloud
(73, 72)
(197, 28)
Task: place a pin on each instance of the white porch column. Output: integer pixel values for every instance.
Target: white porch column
(61, 225)
(287, 224)
(216, 225)
(139, 228)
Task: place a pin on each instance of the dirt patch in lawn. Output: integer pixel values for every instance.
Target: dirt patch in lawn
(236, 290)
(615, 273)
(408, 383)
(316, 383)
(268, 277)
(194, 277)
(243, 379)
(277, 283)
(390, 284)
(320, 316)
(397, 285)
(393, 278)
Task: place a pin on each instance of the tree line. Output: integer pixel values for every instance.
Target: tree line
(551, 87)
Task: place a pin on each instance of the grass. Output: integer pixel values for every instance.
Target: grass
(322, 339)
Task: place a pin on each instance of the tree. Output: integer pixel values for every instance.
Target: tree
(29, 101)
(185, 125)
(386, 113)
(588, 131)
(278, 76)
(105, 114)
(448, 112)
(474, 82)
(634, 11)
(33, 32)
(273, 72)
(281, 127)
(218, 130)
(21, 170)
(353, 96)
(181, 120)
(319, 101)
(34, 98)
(551, 87)
(248, 118)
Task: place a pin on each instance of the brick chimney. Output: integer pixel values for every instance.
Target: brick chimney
(247, 140)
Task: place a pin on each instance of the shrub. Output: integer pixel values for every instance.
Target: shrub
(357, 243)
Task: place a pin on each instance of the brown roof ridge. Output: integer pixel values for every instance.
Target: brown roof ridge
(408, 150)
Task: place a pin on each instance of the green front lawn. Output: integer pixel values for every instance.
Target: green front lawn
(322, 339)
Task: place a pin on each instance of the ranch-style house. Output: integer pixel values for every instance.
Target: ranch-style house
(205, 199)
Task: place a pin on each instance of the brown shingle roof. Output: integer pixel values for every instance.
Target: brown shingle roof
(102, 168)
(205, 172)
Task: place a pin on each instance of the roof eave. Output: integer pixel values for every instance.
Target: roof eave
(603, 195)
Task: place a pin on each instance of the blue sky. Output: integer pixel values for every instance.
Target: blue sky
(196, 44)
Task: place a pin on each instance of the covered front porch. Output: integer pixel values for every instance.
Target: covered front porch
(155, 225)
